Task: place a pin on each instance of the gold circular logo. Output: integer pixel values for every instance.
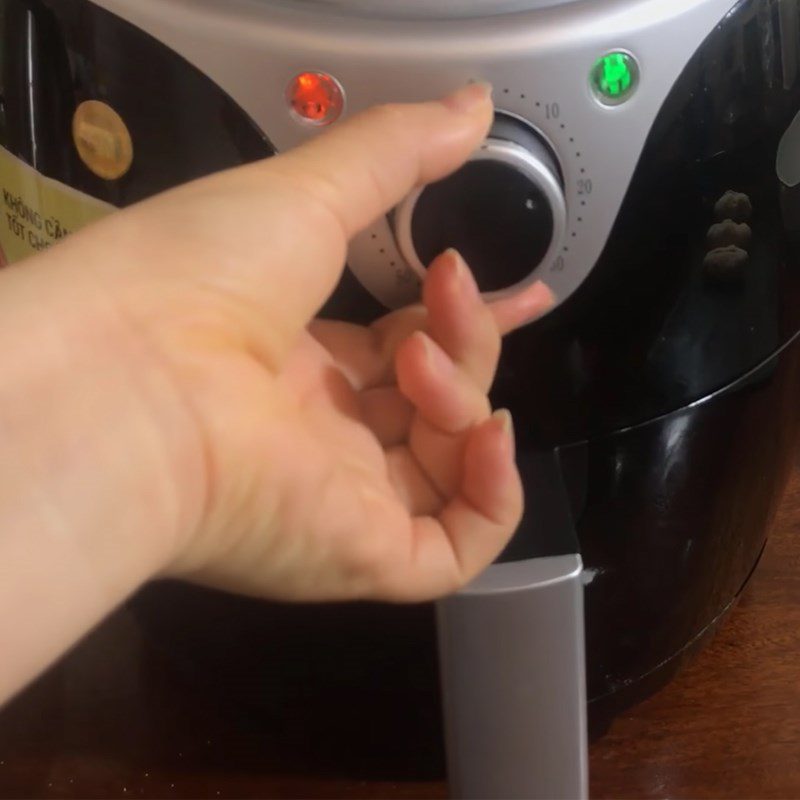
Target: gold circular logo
(102, 140)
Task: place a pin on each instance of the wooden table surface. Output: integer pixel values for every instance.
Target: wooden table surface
(115, 720)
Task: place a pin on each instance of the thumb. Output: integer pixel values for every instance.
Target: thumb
(275, 232)
(368, 165)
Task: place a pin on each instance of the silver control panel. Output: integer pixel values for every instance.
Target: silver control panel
(539, 58)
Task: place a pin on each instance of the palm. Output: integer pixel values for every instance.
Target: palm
(379, 443)
(363, 426)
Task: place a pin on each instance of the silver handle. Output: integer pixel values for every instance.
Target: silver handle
(514, 682)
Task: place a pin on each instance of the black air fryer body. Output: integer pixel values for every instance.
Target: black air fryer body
(655, 407)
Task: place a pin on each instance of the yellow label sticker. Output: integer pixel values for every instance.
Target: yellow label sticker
(38, 211)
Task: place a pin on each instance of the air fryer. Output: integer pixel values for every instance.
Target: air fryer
(644, 163)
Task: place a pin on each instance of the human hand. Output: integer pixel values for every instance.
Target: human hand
(262, 452)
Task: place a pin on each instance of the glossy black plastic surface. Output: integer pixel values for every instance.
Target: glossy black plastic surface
(57, 53)
(661, 323)
(672, 517)
(658, 383)
(656, 326)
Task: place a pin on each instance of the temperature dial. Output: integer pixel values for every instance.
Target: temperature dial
(504, 210)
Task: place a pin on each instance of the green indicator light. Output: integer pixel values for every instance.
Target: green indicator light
(614, 77)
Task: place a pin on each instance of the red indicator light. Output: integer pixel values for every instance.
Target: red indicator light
(315, 98)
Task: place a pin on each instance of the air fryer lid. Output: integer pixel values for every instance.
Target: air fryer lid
(423, 9)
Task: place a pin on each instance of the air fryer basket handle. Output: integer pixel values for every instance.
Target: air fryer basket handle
(513, 672)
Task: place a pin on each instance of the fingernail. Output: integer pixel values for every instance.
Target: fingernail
(546, 292)
(458, 262)
(541, 296)
(464, 277)
(503, 415)
(469, 98)
(436, 358)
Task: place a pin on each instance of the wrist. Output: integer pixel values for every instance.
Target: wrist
(100, 452)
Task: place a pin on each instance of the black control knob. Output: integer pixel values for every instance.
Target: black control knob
(504, 210)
